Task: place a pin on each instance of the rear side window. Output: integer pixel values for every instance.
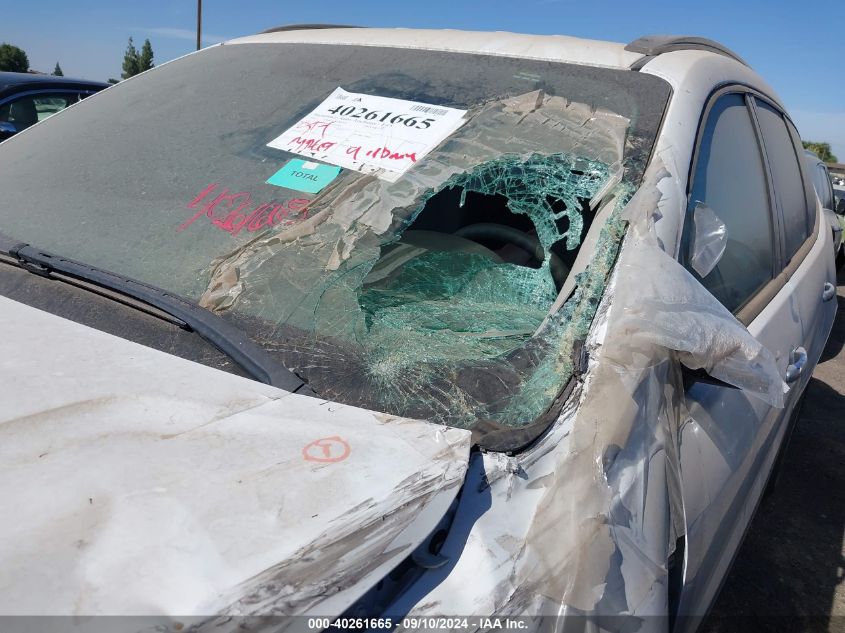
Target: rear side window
(786, 178)
(821, 181)
(30, 109)
(730, 179)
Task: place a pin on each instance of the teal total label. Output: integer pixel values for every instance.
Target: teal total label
(303, 175)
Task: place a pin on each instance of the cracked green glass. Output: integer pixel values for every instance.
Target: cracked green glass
(456, 336)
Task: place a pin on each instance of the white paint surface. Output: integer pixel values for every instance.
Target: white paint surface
(560, 48)
(136, 482)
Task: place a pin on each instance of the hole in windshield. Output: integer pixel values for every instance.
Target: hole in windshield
(451, 321)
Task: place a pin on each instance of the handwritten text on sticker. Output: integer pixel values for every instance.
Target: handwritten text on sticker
(370, 134)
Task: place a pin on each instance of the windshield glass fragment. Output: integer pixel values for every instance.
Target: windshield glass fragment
(428, 294)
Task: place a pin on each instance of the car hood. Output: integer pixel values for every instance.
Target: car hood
(135, 482)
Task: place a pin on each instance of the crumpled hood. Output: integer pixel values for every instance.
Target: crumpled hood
(135, 482)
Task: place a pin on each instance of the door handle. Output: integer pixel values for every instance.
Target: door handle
(797, 361)
(828, 292)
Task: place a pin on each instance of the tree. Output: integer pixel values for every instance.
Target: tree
(13, 59)
(131, 61)
(822, 150)
(57, 71)
(145, 59)
(113, 81)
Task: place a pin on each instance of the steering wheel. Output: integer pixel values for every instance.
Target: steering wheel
(489, 231)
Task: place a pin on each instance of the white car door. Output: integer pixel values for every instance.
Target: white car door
(729, 441)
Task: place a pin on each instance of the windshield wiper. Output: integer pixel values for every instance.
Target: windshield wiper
(230, 340)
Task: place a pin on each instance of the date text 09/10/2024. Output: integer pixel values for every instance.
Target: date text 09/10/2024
(419, 623)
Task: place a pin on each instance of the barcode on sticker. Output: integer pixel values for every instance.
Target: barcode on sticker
(429, 110)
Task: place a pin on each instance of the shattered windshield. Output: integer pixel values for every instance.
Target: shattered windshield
(425, 262)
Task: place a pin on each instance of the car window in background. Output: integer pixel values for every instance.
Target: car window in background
(786, 177)
(47, 105)
(839, 199)
(30, 109)
(730, 179)
(821, 181)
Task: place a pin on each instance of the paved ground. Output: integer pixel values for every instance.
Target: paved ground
(792, 562)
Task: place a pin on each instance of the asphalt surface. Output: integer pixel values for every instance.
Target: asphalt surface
(789, 574)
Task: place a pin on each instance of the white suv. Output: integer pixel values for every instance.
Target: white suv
(533, 316)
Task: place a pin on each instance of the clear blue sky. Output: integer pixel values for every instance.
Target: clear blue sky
(799, 47)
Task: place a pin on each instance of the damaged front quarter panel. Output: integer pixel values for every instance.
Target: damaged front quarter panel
(582, 523)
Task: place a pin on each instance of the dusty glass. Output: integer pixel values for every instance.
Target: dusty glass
(427, 297)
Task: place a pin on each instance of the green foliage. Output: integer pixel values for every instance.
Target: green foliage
(13, 59)
(57, 71)
(822, 150)
(135, 62)
(145, 59)
(113, 81)
(131, 61)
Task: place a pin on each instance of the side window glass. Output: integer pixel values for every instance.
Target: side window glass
(817, 172)
(786, 177)
(21, 112)
(47, 105)
(730, 180)
(818, 175)
(31, 109)
(825, 190)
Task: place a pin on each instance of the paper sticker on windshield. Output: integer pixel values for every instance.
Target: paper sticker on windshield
(373, 135)
(303, 175)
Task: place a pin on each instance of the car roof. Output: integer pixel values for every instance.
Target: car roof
(15, 80)
(562, 48)
(559, 48)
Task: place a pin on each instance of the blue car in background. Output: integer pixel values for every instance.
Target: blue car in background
(26, 98)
